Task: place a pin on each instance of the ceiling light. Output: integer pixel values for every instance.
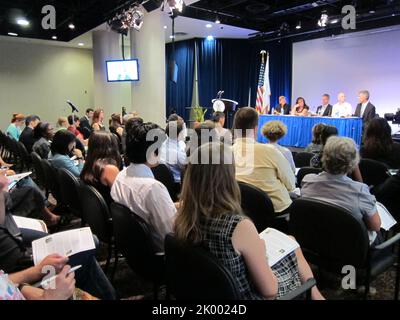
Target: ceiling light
(81, 44)
(323, 20)
(13, 34)
(208, 25)
(54, 37)
(165, 27)
(22, 22)
(298, 25)
(334, 21)
(217, 21)
(210, 38)
(71, 26)
(131, 18)
(172, 37)
(176, 5)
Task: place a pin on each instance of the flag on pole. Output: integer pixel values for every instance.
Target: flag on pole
(263, 89)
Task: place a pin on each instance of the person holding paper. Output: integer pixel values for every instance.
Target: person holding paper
(340, 157)
(210, 214)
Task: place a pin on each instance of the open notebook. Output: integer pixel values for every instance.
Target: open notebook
(278, 245)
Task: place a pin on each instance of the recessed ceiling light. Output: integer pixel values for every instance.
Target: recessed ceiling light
(71, 26)
(208, 25)
(81, 44)
(54, 37)
(372, 11)
(217, 21)
(13, 34)
(172, 37)
(22, 22)
(334, 21)
(210, 38)
(298, 25)
(165, 27)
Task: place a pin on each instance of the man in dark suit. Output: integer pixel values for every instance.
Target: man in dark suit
(282, 106)
(365, 109)
(325, 110)
(27, 137)
(85, 127)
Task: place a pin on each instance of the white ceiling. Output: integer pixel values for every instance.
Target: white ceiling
(192, 27)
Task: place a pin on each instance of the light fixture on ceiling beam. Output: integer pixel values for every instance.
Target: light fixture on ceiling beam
(323, 21)
(298, 26)
(132, 17)
(13, 34)
(71, 26)
(54, 37)
(176, 5)
(23, 22)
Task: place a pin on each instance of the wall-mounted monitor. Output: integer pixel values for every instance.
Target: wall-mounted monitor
(122, 70)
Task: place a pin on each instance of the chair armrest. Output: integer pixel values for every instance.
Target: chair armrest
(300, 290)
(388, 243)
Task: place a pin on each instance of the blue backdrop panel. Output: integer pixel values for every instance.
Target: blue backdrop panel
(300, 128)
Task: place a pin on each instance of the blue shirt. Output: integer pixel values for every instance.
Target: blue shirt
(14, 131)
(64, 162)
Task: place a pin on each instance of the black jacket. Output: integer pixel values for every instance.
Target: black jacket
(286, 109)
(369, 113)
(27, 138)
(327, 112)
(85, 128)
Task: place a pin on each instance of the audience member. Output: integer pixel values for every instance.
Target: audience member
(116, 125)
(210, 214)
(27, 136)
(274, 131)
(97, 120)
(316, 145)
(340, 158)
(261, 165)
(14, 129)
(62, 123)
(74, 124)
(43, 134)
(136, 188)
(85, 126)
(102, 163)
(63, 148)
(219, 120)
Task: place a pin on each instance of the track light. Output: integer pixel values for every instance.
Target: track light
(298, 25)
(130, 18)
(217, 21)
(322, 22)
(23, 22)
(71, 26)
(176, 5)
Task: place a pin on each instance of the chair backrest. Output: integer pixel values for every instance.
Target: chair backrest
(329, 235)
(373, 172)
(193, 273)
(95, 212)
(305, 171)
(51, 181)
(257, 205)
(302, 159)
(133, 239)
(164, 175)
(69, 189)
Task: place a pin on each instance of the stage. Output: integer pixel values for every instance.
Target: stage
(299, 128)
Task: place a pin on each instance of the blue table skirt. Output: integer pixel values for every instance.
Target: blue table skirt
(300, 128)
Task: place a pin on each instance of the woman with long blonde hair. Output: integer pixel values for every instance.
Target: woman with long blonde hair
(210, 214)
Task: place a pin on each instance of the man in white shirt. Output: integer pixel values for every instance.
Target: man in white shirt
(173, 150)
(224, 134)
(136, 188)
(342, 109)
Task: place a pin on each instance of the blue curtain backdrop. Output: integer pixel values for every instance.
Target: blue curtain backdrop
(179, 95)
(229, 65)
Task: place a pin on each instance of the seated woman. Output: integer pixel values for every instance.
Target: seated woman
(316, 161)
(379, 145)
(116, 125)
(43, 134)
(14, 129)
(210, 214)
(316, 145)
(340, 157)
(97, 120)
(63, 149)
(102, 164)
(300, 108)
(62, 123)
(274, 131)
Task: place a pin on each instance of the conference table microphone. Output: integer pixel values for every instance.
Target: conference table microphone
(74, 109)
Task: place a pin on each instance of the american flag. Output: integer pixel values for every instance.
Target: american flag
(263, 88)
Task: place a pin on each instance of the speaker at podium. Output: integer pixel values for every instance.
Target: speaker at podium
(226, 106)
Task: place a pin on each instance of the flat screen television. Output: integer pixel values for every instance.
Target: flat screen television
(122, 70)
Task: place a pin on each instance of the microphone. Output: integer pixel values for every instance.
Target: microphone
(74, 109)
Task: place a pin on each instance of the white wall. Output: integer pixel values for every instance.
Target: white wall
(38, 79)
(366, 60)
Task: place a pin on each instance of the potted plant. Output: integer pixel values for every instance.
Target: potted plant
(198, 115)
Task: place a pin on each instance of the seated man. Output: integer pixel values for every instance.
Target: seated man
(27, 136)
(282, 107)
(325, 110)
(340, 157)
(136, 188)
(15, 253)
(261, 165)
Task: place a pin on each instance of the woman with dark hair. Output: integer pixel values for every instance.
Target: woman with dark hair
(116, 125)
(43, 133)
(379, 145)
(97, 120)
(300, 108)
(103, 163)
(217, 223)
(63, 148)
(316, 145)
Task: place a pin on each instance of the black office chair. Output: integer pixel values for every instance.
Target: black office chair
(39, 172)
(257, 206)
(69, 190)
(305, 171)
(24, 156)
(134, 241)
(302, 159)
(373, 172)
(96, 214)
(164, 175)
(51, 182)
(193, 273)
(331, 237)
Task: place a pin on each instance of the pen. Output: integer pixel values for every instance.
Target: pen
(47, 281)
